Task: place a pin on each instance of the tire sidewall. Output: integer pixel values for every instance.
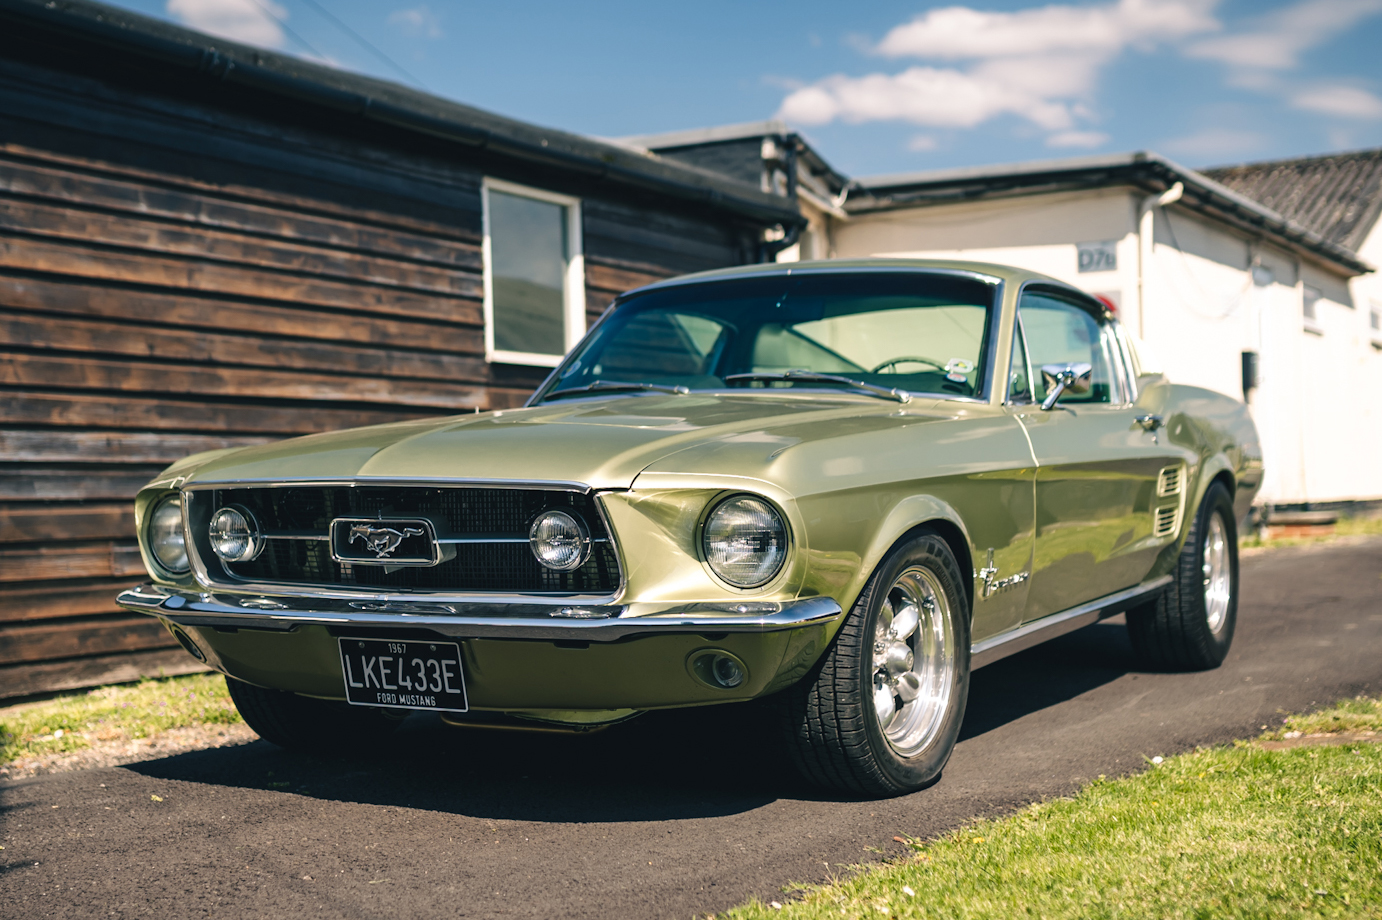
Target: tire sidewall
(925, 767)
(1216, 499)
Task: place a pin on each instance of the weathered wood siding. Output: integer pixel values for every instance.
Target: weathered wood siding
(179, 272)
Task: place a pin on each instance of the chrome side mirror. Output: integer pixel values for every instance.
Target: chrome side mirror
(1060, 378)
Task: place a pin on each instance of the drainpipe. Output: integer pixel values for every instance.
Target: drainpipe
(768, 251)
(1146, 214)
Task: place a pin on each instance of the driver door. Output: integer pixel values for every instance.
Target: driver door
(1099, 473)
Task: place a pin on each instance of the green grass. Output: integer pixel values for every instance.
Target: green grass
(1346, 527)
(73, 722)
(1225, 832)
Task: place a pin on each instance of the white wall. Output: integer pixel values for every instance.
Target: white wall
(1321, 435)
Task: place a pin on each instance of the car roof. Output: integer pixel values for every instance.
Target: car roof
(989, 270)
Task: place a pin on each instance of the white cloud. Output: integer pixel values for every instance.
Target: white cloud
(1340, 101)
(238, 20)
(958, 32)
(1037, 64)
(1280, 37)
(922, 143)
(418, 21)
(1087, 139)
(1216, 142)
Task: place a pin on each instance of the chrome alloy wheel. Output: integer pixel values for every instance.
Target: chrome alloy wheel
(913, 661)
(1217, 581)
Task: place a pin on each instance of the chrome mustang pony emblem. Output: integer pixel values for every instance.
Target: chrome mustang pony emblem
(382, 540)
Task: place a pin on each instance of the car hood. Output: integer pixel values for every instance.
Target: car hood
(604, 443)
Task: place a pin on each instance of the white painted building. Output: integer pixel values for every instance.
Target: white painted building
(1202, 273)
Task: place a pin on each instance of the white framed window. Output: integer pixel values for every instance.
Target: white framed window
(534, 274)
(1310, 302)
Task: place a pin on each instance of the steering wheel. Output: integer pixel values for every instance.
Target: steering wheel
(894, 362)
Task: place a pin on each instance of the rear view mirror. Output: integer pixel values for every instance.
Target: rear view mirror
(1062, 378)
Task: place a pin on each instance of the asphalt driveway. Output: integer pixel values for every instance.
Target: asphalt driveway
(672, 815)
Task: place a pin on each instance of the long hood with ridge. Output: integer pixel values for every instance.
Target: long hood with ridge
(603, 443)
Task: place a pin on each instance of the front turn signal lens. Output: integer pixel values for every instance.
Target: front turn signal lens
(745, 541)
(167, 540)
(560, 541)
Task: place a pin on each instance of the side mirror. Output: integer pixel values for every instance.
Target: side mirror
(1060, 378)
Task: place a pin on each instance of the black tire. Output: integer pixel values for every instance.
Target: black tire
(1176, 632)
(306, 725)
(834, 737)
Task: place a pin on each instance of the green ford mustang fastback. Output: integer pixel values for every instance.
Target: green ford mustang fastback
(842, 484)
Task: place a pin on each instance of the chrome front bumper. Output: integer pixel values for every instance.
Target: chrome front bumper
(478, 620)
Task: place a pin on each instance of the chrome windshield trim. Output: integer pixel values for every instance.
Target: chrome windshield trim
(995, 648)
(518, 620)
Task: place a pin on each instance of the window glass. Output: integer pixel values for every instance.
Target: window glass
(529, 252)
(1058, 332)
(1310, 302)
(913, 331)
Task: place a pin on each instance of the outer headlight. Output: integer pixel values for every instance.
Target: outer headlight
(166, 537)
(559, 540)
(745, 541)
(234, 534)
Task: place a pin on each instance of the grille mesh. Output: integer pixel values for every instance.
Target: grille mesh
(473, 513)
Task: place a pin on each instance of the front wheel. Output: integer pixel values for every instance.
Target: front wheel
(880, 714)
(307, 725)
(1189, 627)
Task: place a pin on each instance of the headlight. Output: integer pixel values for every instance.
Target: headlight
(166, 538)
(559, 540)
(745, 541)
(234, 535)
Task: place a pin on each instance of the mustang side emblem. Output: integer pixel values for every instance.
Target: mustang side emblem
(990, 585)
(382, 540)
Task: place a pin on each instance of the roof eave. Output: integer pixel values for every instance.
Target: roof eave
(1147, 170)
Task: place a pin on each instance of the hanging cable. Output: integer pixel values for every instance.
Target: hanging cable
(368, 46)
(268, 11)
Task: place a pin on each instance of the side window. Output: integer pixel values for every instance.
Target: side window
(1058, 332)
(534, 274)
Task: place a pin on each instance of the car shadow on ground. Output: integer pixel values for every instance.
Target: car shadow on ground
(693, 763)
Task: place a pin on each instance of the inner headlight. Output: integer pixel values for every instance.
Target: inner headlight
(745, 541)
(559, 540)
(166, 538)
(234, 534)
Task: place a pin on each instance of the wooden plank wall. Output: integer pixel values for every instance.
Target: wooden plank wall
(176, 278)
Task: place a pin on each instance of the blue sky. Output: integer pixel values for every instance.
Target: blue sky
(882, 87)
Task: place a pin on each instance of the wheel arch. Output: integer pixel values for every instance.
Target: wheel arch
(920, 514)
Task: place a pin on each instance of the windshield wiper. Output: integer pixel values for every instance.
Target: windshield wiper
(901, 396)
(612, 386)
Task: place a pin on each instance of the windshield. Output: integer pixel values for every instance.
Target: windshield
(913, 331)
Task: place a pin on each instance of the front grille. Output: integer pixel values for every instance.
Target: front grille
(497, 558)
(1168, 483)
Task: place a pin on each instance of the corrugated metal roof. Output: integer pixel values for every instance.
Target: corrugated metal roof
(1339, 196)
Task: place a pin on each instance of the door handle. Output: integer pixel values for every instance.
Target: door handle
(1149, 422)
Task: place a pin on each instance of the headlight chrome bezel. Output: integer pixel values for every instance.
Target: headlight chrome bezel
(764, 574)
(162, 532)
(254, 539)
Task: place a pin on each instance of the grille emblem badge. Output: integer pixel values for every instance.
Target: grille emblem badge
(384, 541)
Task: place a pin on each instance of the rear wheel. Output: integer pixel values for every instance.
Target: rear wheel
(1189, 627)
(311, 726)
(879, 715)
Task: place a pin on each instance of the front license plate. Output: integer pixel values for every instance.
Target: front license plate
(403, 675)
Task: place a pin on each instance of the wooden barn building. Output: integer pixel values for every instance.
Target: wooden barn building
(203, 244)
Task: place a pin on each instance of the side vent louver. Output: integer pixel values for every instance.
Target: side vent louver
(1168, 483)
(1165, 521)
